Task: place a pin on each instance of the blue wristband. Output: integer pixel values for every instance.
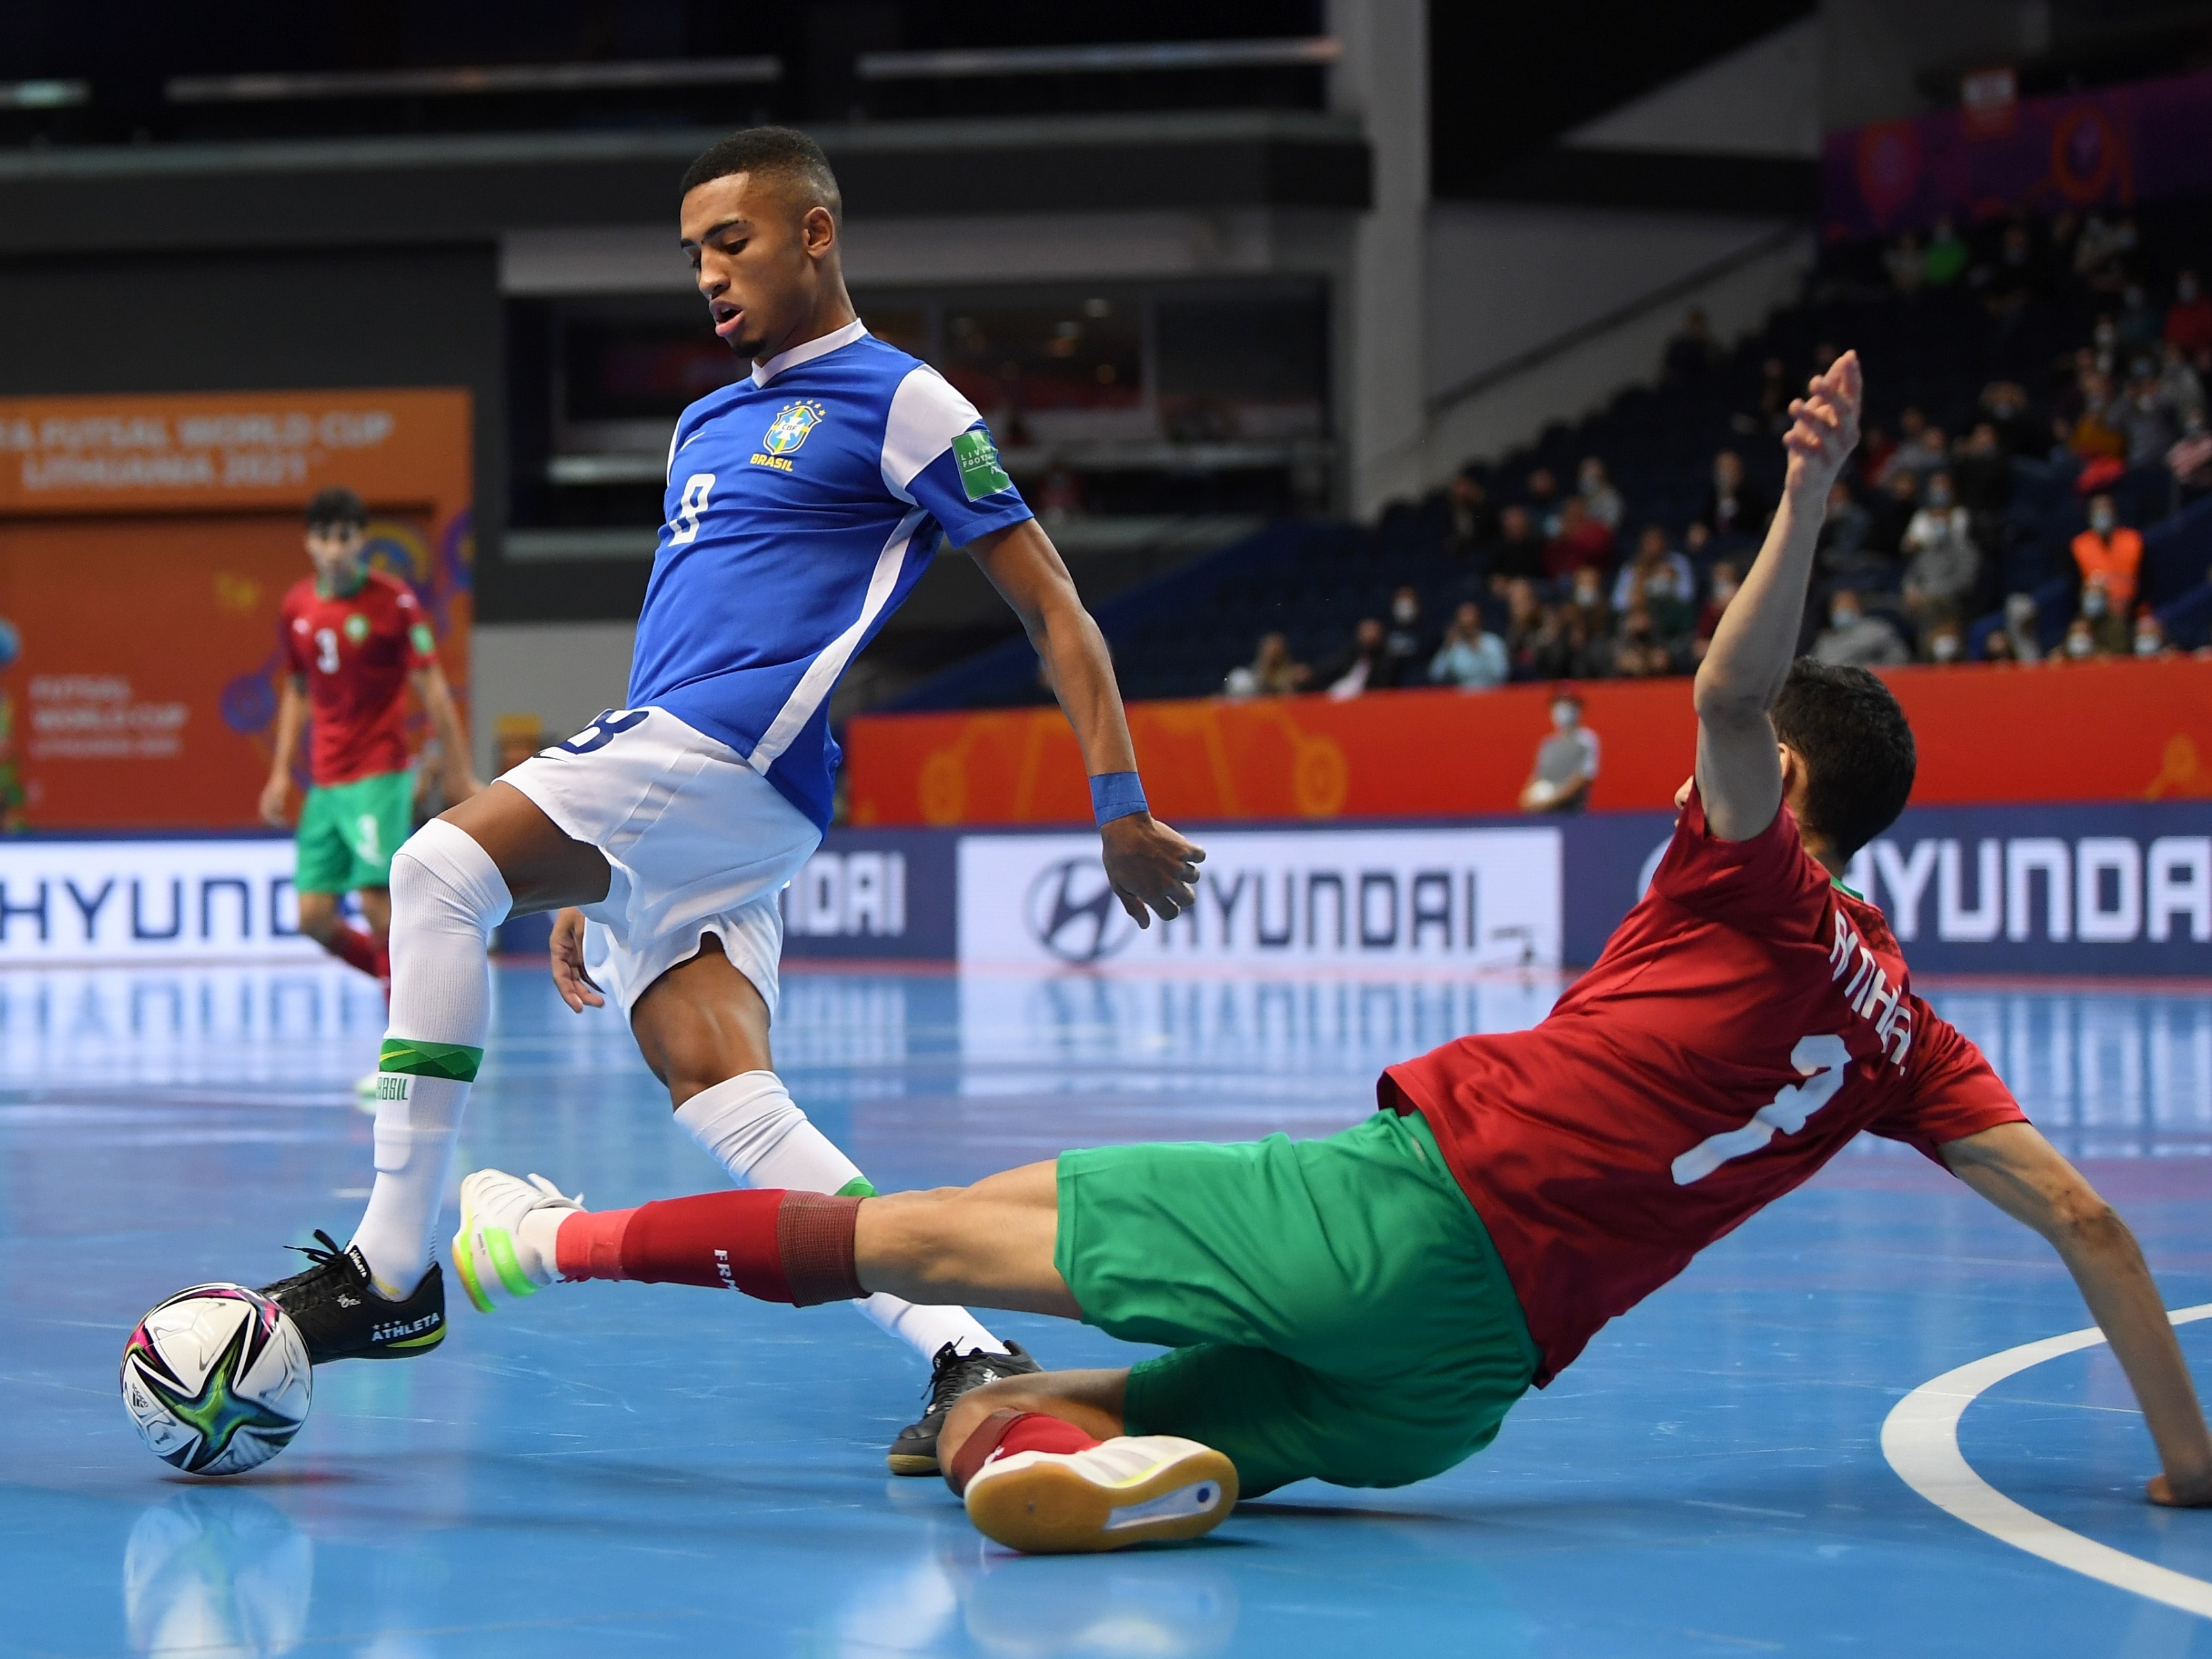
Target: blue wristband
(1116, 795)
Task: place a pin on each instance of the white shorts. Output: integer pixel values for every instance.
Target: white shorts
(699, 843)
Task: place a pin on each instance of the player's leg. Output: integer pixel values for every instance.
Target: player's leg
(322, 872)
(451, 885)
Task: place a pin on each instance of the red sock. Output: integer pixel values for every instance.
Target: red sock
(795, 1248)
(1003, 1434)
(357, 950)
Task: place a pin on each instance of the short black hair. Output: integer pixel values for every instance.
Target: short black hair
(784, 150)
(336, 509)
(1856, 746)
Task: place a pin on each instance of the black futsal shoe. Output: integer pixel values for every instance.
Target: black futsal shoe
(952, 1374)
(341, 1318)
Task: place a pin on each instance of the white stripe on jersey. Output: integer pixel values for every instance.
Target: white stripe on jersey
(822, 673)
(926, 415)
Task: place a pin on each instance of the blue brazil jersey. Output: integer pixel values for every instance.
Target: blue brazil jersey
(804, 504)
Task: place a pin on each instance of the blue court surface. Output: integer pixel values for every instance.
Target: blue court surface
(616, 1469)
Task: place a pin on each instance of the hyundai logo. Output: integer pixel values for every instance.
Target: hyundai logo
(1073, 914)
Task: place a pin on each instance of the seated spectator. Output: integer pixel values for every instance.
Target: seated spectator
(2103, 252)
(2189, 318)
(1567, 762)
(1273, 672)
(1581, 542)
(2022, 628)
(2138, 326)
(1696, 545)
(2004, 406)
(1943, 564)
(2107, 621)
(1727, 579)
(1945, 259)
(1544, 503)
(1894, 510)
(1842, 548)
(1602, 499)
(1853, 638)
(2110, 553)
(1639, 654)
(1662, 582)
(1406, 647)
(2180, 388)
(1920, 449)
(1470, 658)
(1691, 353)
(2096, 431)
(1770, 409)
(1519, 553)
(2080, 642)
(1943, 644)
(2189, 460)
(1733, 505)
(1474, 520)
(1358, 667)
(2150, 635)
(1997, 648)
(1530, 631)
(1875, 447)
(1980, 473)
(1586, 600)
(2149, 427)
(1906, 264)
(2011, 279)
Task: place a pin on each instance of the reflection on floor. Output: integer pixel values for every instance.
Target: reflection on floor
(616, 1468)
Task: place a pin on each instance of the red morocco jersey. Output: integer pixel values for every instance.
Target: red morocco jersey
(356, 653)
(1744, 1022)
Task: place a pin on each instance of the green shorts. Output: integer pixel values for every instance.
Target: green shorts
(1336, 1307)
(348, 832)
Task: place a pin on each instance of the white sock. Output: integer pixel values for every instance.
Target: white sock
(750, 1126)
(447, 898)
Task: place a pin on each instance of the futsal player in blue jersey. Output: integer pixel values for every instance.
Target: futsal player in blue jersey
(804, 503)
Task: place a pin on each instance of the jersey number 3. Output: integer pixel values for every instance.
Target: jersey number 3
(326, 650)
(686, 525)
(1820, 1061)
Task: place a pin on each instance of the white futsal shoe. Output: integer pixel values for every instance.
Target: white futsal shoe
(1135, 1489)
(504, 1250)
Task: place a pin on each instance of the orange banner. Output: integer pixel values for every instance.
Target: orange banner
(145, 543)
(2101, 731)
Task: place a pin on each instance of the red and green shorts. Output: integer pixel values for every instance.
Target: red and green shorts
(349, 831)
(1335, 1308)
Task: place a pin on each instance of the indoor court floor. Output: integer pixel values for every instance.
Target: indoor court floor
(618, 1469)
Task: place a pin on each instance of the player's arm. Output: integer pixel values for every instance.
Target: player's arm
(459, 777)
(1738, 767)
(2014, 1168)
(1148, 863)
(291, 721)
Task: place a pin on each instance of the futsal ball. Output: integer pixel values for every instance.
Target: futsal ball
(216, 1378)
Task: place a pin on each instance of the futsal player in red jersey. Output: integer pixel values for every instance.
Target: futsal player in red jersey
(1365, 1309)
(353, 640)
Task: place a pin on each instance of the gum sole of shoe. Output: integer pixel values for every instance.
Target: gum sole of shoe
(913, 1463)
(1048, 1509)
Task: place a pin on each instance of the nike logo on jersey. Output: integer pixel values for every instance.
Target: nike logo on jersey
(1870, 994)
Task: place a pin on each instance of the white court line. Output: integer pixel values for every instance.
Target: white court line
(1920, 1439)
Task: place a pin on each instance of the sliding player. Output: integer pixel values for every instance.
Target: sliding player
(355, 639)
(1364, 1309)
(804, 504)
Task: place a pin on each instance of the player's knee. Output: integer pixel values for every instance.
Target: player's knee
(441, 877)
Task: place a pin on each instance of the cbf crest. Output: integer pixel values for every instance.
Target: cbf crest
(792, 424)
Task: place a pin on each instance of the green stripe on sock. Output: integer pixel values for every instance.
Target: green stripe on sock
(455, 1060)
(858, 1187)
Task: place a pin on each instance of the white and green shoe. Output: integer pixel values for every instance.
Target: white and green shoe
(504, 1250)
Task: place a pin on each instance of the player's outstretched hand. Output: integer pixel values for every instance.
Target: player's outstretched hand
(1151, 865)
(569, 978)
(276, 795)
(1824, 428)
(2172, 1494)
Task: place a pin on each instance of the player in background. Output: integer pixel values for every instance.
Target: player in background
(1365, 1309)
(804, 503)
(353, 641)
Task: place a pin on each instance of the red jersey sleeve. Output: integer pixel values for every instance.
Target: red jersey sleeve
(1955, 1092)
(1767, 885)
(292, 644)
(421, 644)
